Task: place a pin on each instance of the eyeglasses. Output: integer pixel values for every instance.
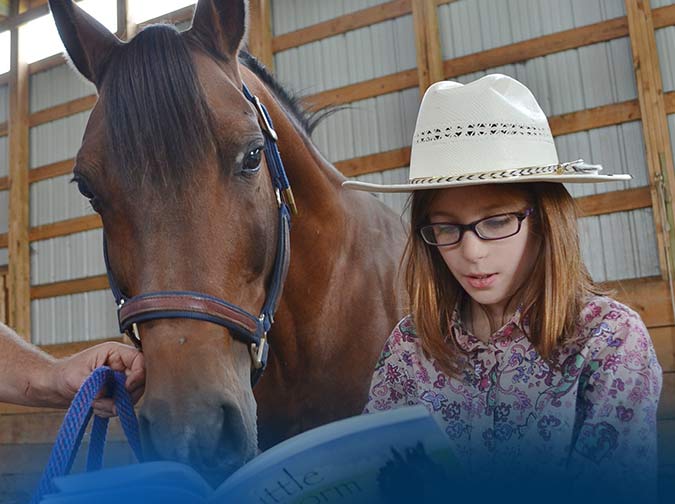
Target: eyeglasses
(495, 227)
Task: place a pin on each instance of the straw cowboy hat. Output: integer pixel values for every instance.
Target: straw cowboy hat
(489, 131)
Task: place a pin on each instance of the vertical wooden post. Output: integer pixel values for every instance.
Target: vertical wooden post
(427, 42)
(3, 295)
(260, 32)
(19, 245)
(654, 126)
(122, 19)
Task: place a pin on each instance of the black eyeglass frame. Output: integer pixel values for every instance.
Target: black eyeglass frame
(521, 216)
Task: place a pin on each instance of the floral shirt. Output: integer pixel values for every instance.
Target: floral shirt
(592, 413)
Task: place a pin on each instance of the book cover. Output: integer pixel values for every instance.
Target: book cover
(394, 456)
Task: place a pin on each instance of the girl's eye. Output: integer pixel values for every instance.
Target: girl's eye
(499, 222)
(253, 159)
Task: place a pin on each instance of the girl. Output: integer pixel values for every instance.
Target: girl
(509, 344)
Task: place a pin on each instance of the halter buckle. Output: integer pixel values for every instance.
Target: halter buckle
(263, 119)
(257, 352)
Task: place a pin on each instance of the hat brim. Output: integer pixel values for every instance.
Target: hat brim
(441, 184)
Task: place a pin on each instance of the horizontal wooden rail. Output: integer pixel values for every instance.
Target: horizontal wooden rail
(540, 46)
(649, 297)
(68, 287)
(342, 24)
(614, 201)
(175, 17)
(51, 170)
(363, 90)
(23, 18)
(65, 228)
(381, 161)
(62, 110)
(4, 183)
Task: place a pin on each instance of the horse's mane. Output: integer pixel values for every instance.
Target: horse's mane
(156, 114)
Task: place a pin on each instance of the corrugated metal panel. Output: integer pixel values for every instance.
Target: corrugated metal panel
(57, 140)
(568, 81)
(56, 199)
(4, 211)
(396, 201)
(660, 3)
(370, 52)
(665, 41)
(4, 103)
(291, 15)
(64, 258)
(470, 26)
(4, 157)
(369, 126)
(620, 245)
(57, 85)
(80, 317)
(4, 256)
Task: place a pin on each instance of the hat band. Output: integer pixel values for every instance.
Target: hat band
(572, 167)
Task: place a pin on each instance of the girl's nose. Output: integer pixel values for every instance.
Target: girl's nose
(473, 248)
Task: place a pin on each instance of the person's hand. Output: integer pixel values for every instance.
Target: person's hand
(69, 373)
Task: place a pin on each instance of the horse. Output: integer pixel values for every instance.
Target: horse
(172, 160)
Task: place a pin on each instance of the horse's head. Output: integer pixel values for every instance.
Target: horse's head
(172, 161)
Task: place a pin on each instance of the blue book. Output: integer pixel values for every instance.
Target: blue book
(395, 456)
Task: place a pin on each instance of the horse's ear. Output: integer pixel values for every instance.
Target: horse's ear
(88, 42)
(220, 26)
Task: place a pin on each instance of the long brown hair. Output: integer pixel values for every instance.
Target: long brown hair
(552, 297)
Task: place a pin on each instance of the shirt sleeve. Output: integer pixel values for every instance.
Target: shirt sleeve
(391, 386)
(616, 412)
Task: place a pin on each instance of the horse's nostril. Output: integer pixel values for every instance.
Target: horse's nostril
(233, 440)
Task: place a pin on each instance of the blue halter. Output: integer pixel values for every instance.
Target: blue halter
(245, 326)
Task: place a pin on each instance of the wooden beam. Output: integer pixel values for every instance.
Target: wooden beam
(664, 343)
(65, 228)
(614, 201)
(18, 244)
(427, 43)
(68, 287)
(260, 32)
(375, 162)
(3, 297)
(15, 21)
(63, 110)
(647, 296)
(363, 90)
(4, 240)
(540, 46)
(342, 24)
(598, 117)
(51, 170)
(4, 129)
(175, 17)
(4, 183)
(654, 124)
(122, 19)
(667, 402)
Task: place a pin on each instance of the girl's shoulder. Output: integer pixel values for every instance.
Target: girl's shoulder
(604, 308)
(404, 333)
(606, 324)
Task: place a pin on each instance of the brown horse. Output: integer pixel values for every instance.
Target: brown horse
(171, 160)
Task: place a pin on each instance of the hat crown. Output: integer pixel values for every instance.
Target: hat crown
(491, 124)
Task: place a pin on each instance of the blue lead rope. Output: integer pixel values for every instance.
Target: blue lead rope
(75, 423)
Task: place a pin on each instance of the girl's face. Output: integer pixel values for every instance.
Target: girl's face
(489, 271)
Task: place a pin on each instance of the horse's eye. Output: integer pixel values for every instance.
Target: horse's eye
(83, 187)
(85, 191)
(253, 159)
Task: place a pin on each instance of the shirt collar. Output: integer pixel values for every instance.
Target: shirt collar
(517, 324)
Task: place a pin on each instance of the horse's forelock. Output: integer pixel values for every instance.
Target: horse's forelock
(158, 125)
